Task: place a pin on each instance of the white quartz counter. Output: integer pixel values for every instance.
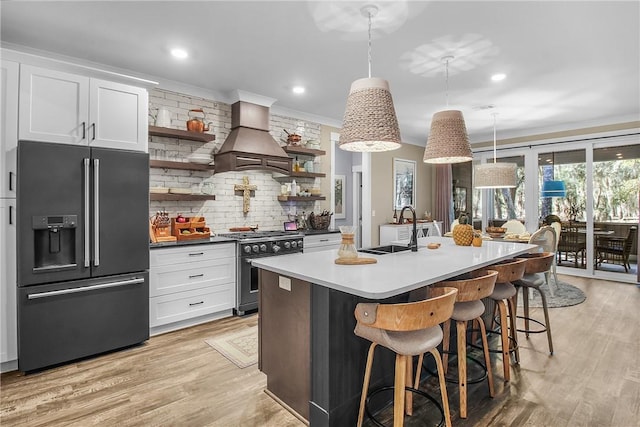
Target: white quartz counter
(393, 274)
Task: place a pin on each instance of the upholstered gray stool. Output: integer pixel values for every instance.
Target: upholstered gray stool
(468, 307)
(409, 329)
(508, 271)
(537, 263)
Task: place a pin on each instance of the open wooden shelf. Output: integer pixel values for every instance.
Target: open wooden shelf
(180, 197)
(182, 134)
(179, 165)
(300, 198)
(308, 175)
(290, 149)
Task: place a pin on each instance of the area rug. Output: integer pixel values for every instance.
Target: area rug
(239, 347)
(565, 295)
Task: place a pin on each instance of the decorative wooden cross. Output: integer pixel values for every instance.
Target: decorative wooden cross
(246, 192)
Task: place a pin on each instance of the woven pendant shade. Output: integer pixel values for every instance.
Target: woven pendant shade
(370, 122)
(448, 141)
(495, 175)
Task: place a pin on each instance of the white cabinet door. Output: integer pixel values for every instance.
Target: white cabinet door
(54, 106)
(9, 127)
(118, 116)
(8, 331)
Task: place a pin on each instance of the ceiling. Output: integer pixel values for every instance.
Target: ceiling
(568, 64)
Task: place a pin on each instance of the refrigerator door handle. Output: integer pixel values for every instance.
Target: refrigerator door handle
(96, 212)
(87, 255)
(133, 281)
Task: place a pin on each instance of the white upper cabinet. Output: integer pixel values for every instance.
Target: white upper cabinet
(67, 108)
(9, 128)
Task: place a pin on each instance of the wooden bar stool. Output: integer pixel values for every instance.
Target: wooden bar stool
(540, 262)
(468, 307)
(508, 271)
(409, 329)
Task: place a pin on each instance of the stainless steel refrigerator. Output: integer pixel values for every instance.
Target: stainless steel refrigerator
(83, 252)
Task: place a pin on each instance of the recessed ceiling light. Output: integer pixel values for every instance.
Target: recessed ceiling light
(298, 90)
(498, 77)
(179, 53)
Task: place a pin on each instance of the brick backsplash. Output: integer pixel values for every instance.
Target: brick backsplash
(226, 210)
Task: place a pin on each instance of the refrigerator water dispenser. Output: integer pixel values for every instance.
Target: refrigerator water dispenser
(54, 242)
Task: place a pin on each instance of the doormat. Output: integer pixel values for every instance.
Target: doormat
(565, 295)
(239, 347)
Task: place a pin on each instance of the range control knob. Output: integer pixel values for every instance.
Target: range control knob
(287, 245)
(255, 249)
(263, 248)
(275, 248)
(294, 244)
(299, 244)
(246, 249)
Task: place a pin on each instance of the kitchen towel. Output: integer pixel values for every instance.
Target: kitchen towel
(240, 347)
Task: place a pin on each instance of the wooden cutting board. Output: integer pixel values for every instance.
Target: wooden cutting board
(355, 261)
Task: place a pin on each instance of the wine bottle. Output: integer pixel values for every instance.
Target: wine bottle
(395, 216)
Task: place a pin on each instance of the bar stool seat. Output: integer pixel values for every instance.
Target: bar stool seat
(537, 263)
(503, 294)
(468, 307)
(408, 329)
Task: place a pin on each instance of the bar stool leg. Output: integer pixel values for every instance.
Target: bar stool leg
(546, 319)
(462, 366)
(365, 385)
(504, 335)
(398, 391)
(443, 387)
(512, 327)
(525, 303)
(487, 359)
(446, 331)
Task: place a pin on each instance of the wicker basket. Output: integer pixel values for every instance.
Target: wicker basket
(319, 222)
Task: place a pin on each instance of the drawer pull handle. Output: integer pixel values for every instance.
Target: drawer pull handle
(324, 240)
(195, 303)
(193, 276)
(196, 254)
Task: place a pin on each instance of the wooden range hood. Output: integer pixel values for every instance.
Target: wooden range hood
(250, 146)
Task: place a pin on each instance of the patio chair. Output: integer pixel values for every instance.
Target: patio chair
(572, 242)
(616, 249)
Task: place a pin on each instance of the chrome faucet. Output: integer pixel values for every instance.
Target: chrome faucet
(413, 243)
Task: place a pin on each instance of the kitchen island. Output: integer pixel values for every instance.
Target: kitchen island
(313, 361)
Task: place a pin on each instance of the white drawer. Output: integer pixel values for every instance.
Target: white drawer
(186, 305)
(169, 279)
(177, 255)
(323, 239)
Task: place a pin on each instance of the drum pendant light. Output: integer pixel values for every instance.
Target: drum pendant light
(370, 123)
(553, 188)
(495, 175)
(448, 141)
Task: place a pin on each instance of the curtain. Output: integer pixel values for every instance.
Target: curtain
(444, 196)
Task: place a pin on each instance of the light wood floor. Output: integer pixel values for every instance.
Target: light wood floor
(175, 379)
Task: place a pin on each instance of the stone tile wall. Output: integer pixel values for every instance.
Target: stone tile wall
(226, 210)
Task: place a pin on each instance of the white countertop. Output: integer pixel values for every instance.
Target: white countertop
(393, 274)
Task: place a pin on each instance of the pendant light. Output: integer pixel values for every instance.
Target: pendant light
(495, 175)
(370, 123)
(448, 141)
(553, 188)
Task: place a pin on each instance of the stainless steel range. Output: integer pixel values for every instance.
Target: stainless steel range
(258, 244)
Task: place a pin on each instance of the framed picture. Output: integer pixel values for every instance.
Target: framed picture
(339, 197)
(459, 199)
(404, 183)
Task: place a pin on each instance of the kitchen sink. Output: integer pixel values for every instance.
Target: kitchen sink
(387, 249)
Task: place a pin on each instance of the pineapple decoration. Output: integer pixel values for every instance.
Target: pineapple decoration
(463, 232)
